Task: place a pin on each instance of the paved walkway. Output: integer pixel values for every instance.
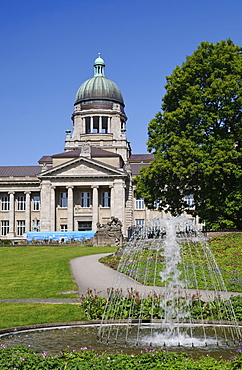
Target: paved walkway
(91, 274)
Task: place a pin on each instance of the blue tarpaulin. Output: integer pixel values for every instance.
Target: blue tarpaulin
(61, 236)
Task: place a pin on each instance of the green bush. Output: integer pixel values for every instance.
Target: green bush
(5, 241)
(134, 307)
(25, 359)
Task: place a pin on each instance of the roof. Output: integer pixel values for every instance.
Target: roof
(135, 167)
(95, 152)
(99, 87)
(19, 171)
(148, 157)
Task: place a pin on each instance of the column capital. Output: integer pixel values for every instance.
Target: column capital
(53, 187)
(27, 192)
(70, 187)
(94, 186)
(11, 192)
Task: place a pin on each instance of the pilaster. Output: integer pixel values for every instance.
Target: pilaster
(11, 214)
(95, 208)
(52, 208)
(27, 212)
(118, 202)
(45, 206)
(70, 208)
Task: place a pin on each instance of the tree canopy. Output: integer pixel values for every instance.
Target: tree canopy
(196, 138)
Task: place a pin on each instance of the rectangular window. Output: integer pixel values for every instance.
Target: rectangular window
(63, 200)
(63, 228)
(4, 228)
(85, 199)
(84, 225)
(36, 201)
(104, 125)
(189, 199)
(5, 203)
(157, 205)
(139, 222)
(88, 125)
(106, 199)
(20, 227)
(96, 124)
(139, 203)
(21, 203)
(36, 225)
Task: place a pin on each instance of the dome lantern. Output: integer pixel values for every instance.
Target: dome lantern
(99, 66)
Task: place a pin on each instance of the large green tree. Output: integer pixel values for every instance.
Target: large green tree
(197, 138)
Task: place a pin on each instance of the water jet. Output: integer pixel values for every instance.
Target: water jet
(173, 267)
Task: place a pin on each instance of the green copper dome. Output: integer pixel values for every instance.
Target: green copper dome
(99, 87)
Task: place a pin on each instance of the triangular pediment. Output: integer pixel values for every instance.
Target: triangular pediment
(82, 167)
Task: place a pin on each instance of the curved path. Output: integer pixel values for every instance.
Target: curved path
(91, 274)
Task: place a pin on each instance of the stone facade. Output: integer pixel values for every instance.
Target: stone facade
(87, 184)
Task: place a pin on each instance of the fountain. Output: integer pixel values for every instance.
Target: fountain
(173, 254)
(175, 279)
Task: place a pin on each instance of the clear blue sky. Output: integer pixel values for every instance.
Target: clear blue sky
(47, 49)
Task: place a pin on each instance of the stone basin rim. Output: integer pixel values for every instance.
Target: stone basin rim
(58, 325)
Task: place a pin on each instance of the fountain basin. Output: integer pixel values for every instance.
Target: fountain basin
(68, 336)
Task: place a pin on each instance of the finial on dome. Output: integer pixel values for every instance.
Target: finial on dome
(99, 66)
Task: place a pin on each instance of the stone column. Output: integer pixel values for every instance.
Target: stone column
(70, 208)
(83, 126)
(11, 214)
(91, 124)
(109, 129)
(27, 212)
(100, 124)
(52, 208)
(95, 208)
(111, 187)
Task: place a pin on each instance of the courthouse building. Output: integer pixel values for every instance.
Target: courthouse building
(89, 182)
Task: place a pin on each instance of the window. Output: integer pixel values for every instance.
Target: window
(20, 227)
(63, 200)
(157, 205)
(35, 225)
(5, 203)
(85, 199)
(88, 125)
(139, 203)
(106, 199)
(139, 222)
(104, 125)
(4, 228)
(21, 203)
(63, 228)
(96, 124)
(189, 199)
(36, 201)
(84, 225)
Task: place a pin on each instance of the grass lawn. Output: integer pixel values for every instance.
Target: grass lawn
(39, 272)
(145, 266)
(18, 314)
